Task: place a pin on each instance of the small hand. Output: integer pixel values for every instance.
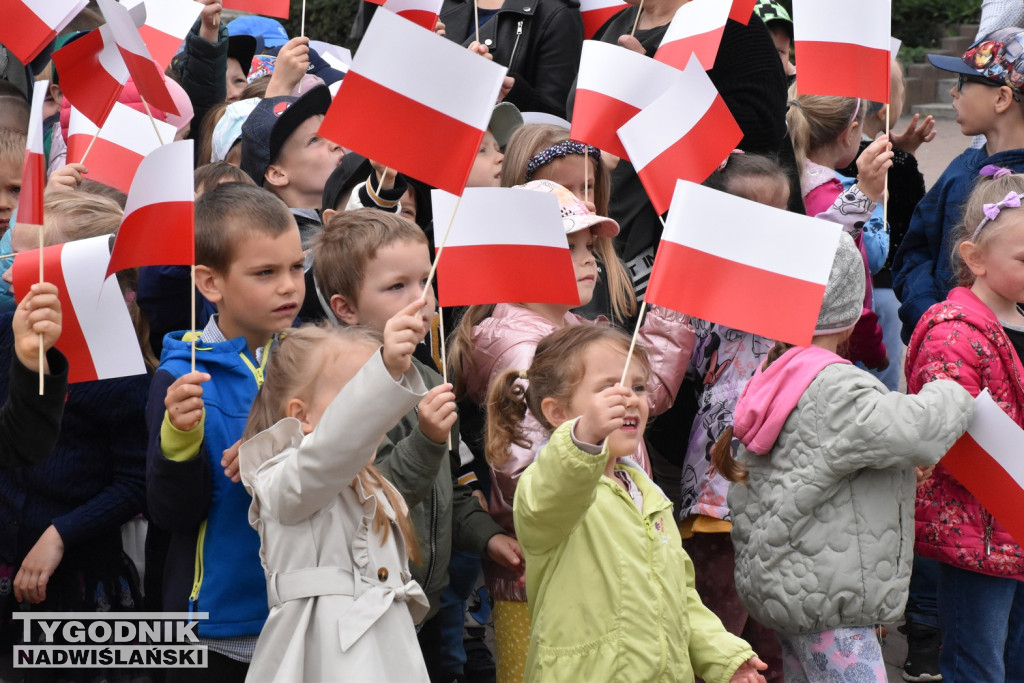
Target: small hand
(505, 550)
(872, 166)
(184, 401)
(290, 67)
(229, 461)
(67, 177)
(917, 133)
(38, 566)
(923, 473)
(437, 413)
(603, 416)
(631, 43)
(748, 671)
(402, 334)
(481, 50)
(37, 314)
(439, 28)
(506, 87)
(384, 176)
(210, 18)
(480, 498)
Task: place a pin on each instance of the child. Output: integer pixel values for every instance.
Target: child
(987, 100)
(368, 266)
(975, 338)
(493, 339)
(12, 159)
(335, 535)
(610, 587)
(822, 520)
(249, 265)
(826, 136)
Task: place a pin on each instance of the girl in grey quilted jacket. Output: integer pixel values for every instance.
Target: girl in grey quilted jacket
(823, 504)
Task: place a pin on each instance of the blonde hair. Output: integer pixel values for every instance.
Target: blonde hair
(12, 147)
(293, 370)
(986, 191)
(817, 121)
(557, 369)
(530, 140)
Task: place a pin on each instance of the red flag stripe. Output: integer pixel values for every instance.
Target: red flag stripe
(704, 45)
(481, 274)
(604, 116)
(26, 34)
(596, 18)
(989, 482)
(162, 46)
(420, 17)
(865, 72)
(108, 162)
(741, 10)
(86, 78)
(380, 123)
(734, 294)
(175, 237)
(149, 81)
(33, 186)
(268, 8)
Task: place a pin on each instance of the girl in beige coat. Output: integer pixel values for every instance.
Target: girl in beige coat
(335, 535)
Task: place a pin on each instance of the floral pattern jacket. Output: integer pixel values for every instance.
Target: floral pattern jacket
(961, 339)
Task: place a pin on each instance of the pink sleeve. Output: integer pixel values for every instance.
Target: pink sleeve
(668, 339)
(820, 199)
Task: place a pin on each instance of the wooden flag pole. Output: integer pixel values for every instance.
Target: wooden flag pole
(632, 342)
(885, 191)
(586, 173)
(151, 119)
(91, 143)
(193, 327)
(639, 11)
(476, 19)
(302, 21)
(444, 361)
(440, 248)
(42, 353)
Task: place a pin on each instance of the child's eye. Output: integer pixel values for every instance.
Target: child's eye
(640, 389)
(395, 287)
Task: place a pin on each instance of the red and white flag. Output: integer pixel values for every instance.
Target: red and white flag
(158, 228)
(613, 85)
(987, 461)
(123, 142)
(92, 73)
(97, 335)
(28, 26)
(268, 8)
(167, 24)
(424, 117)
(684, 134)
(696, 29)
(146, 74)
(597, 12)
(494, 228)
(856, 35)
(33, 174)
(420, 12)
(741, 10)
(732, 261)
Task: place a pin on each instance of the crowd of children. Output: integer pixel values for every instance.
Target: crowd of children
(301, 466)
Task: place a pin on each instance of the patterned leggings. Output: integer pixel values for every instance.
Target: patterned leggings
(843, 655)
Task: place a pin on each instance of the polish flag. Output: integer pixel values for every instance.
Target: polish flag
(268, 8)
(97, 335)
(696, 29)
(613, 85)
(145, 72)
(123, 141)
(987, 461)
(856, 35)
(30, 25)
(684, 134)
(33, 174)
(741, 10)
(167, 23)
(492, 229)
(92, 73)
(420, 12)
(732, 261)
(158, 228)
(597, 12)
(425, 116)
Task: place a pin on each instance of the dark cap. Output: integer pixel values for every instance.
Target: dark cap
(997, 57)
(242, 47)
(270, 124)
(352, 170)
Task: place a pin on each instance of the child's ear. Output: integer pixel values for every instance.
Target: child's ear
(971, 255)
(329, 214)
(276, 176)
(208, 284)
(297, 408)
(554, 412)
(1004, 100)
(344, 310)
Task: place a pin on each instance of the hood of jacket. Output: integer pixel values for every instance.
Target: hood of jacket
(772, 394)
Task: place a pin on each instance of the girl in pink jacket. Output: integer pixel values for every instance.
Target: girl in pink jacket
(975, 337)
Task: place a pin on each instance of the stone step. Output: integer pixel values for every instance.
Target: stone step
(969, 31)
(942, 88)
(956, 44)
(938, 111)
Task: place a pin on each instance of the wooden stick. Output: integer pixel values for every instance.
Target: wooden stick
(91, 143)
(193, 327)
(440, 248)
(476, 19)
(42, 353)
(639, 11)
(444, 362)
(586, 173)
(302, 22)
(151, 119)
(885, 191)
(380, 183)
(632, 343)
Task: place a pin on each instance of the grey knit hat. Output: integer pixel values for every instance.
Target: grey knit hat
(844, 294)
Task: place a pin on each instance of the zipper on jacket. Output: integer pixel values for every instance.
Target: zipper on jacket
(197, 580)
(899, 554)
(257, 372)
(515, 45)
(433, 536)
(988, 536)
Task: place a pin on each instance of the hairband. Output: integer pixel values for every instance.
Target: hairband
(558, 150)
(1010, 201)
(856, 110)
(994, 172)
(721, 167)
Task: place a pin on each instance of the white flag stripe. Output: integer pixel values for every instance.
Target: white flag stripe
(623, 74)
(55, 13)
(500, 215)
(696, 17)
(751, 233)
(447, 77)
(423, 5)
(998, 435)
(841, 21)
(894, 46)
(100, 308)
(122, 26)
(662, 123)
(165, 175)
(124, 126)
(110, 59)
(590, 5)
(35, 121)
(173, 17)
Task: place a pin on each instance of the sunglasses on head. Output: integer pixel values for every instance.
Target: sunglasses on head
(964, 78)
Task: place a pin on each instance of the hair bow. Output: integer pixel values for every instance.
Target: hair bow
(994, 172)
(991, 211)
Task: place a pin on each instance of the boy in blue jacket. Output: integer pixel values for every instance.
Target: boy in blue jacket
(988, 101)
(249, 265)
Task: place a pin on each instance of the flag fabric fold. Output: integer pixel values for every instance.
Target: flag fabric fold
(733, 261)
(145, 72)
(596, 12)
(505, 244)
(158, 224)
(424, 117)
(613, 85)
(696, 29)
(741, 10)
(97, 335)
(420, 12)
(268, 8)
(33, 174)
(30, 25)
(684, 134)
(92, 73)
(123, 142)
(827, 33)
(986, 460)
(167, 23)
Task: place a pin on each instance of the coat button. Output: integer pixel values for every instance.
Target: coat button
(527, 8)
(382, 574)
(488, 42)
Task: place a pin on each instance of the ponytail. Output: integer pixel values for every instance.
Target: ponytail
(460, 353)
(506, 408)
(775, 353)
(723, 461)
(372, 480)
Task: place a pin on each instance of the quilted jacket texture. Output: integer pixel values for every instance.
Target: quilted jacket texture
(823, 529)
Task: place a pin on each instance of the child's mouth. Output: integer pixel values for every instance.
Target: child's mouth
(287, 308)
(630, 424)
